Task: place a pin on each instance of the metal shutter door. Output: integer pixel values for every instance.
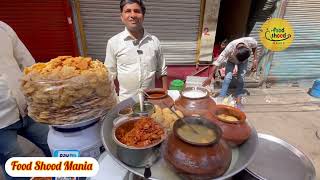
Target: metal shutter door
(174, 22)
(261, 12)
(302, 59)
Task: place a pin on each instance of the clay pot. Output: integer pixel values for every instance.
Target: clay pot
(196, 160)
(194, 101)
(160, 97)
(234, 132)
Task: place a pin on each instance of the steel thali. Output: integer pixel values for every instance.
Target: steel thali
(241, 156)
(277, 159)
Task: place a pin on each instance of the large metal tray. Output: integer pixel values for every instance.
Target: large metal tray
(241, 156)
(77, 124)
(81, 123)
(277, 159)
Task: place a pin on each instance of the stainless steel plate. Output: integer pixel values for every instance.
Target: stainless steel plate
(78, 124)
(276, 159)
(241, 156)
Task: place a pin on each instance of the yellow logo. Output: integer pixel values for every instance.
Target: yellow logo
(276, 34)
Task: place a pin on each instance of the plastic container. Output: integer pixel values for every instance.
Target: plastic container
(176, 84)
(315, 90)
(87, 140)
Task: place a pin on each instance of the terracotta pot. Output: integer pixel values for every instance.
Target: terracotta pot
(160, 97)
(197, 161)
(196, 105)
(234, 132)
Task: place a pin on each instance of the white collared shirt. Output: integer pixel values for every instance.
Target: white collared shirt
(135, 64)
(13, 55)
(229, 52)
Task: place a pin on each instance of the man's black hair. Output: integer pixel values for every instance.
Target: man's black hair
(139, 2)
(243, 53)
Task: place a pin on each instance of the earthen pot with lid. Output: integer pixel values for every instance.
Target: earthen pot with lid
(234, 131)
(197, 160)
(194, 101)
(160, 97)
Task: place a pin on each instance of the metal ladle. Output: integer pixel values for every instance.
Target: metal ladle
(141, 99)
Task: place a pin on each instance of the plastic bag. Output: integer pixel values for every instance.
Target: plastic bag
(64, 92)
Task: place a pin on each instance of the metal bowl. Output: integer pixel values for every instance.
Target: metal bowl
(136, 156)
(147, 106)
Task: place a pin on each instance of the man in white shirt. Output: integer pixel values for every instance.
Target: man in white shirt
(237, 53)
(134, 56)
(14, 56)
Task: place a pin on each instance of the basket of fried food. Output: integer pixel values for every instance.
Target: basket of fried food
(67, 90)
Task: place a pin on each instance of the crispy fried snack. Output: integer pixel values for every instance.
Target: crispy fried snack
(166, 117)
(67, 90)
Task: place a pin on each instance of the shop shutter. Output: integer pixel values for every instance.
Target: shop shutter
(302, 59)
(259, 14)
(45, 27)
(174, 22)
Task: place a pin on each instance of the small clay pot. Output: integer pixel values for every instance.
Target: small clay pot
(194, 101)
(160, 97)
(197, 161)
(234, 132)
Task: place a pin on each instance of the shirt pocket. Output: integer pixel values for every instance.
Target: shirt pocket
(150, 61)
(126, 58)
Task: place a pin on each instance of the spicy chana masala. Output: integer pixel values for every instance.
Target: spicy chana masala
(140, 133)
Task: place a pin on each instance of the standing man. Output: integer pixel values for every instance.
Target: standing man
(237, 52)
(134, 56)
(14, 56)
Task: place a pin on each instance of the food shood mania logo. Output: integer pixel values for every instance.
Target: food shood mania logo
(276, 34)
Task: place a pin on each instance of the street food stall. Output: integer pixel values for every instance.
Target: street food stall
(186, 134)
(243, 153)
